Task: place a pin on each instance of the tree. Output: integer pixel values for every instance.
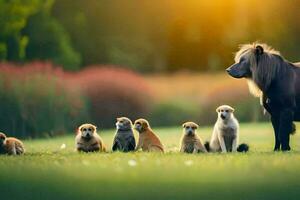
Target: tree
(48, 39)
(13, 18)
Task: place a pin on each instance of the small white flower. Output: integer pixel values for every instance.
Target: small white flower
(188, 162)
(63, 146)
(132, 163)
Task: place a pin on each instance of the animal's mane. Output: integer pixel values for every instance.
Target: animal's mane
(264, 69)
(246, 48)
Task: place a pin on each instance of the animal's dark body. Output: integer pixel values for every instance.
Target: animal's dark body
(124, 141)
(278, 82)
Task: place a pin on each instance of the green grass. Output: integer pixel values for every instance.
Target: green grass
(49, 172)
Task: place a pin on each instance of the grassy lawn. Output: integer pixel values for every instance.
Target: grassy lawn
(49, 172)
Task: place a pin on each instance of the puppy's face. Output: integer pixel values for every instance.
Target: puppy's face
(2, 138)
(87, 131)
(123, 123)
(224, 112)
(190, 128)
(141, 125)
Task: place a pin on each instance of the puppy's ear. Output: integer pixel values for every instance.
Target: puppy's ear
(231, 109)
(259, 50)
(218, 110)
(183, 125)
(145, 124)
(95, 128)
(77, 131)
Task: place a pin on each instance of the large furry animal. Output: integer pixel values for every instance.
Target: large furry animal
(276, 81)
(124, 139)
(88, 140)
(148, 140)
(190, 142)
(11, 145)
(225, 135)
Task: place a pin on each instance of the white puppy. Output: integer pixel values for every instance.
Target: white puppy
(226, 131)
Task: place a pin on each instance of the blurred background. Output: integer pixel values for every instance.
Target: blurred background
(66, 62)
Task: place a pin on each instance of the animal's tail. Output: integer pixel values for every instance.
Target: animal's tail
(243, 147)
(293, 129)
(206, 145)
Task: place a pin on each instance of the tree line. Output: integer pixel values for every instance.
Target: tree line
(147, 36)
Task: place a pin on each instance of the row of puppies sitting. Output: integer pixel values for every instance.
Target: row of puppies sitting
(224, 138)
(88, 140)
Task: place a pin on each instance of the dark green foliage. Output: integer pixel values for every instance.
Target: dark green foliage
(29, 32)
(13, 18)
(49, 41)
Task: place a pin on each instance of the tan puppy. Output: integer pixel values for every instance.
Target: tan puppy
(10, 145)
(190, 141)
(87, 139)
(148, 141)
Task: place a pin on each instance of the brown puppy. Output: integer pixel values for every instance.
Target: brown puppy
(148, 141)
(87, 139)
(10, 145)
(190, 141)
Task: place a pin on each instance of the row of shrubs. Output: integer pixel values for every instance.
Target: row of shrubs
(39, 100)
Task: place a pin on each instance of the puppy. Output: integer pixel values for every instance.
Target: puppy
(225, 135)
(148, 141)
(87, 139)
(11, 145)
(190, 141)
(124, 139)
(226, 131)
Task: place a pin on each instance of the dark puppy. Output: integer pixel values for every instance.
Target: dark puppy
(124, 139)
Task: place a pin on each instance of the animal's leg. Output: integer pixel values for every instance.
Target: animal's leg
(222, 143)
(131, 144)
(275, 124)
(234, 145)
(95, 147)
(285, 128)
(116, 146)
(139, 145)
(155, 149)
(13, 149)
(181, 148)
(198, 147)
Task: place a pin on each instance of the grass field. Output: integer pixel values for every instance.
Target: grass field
(48, 171)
